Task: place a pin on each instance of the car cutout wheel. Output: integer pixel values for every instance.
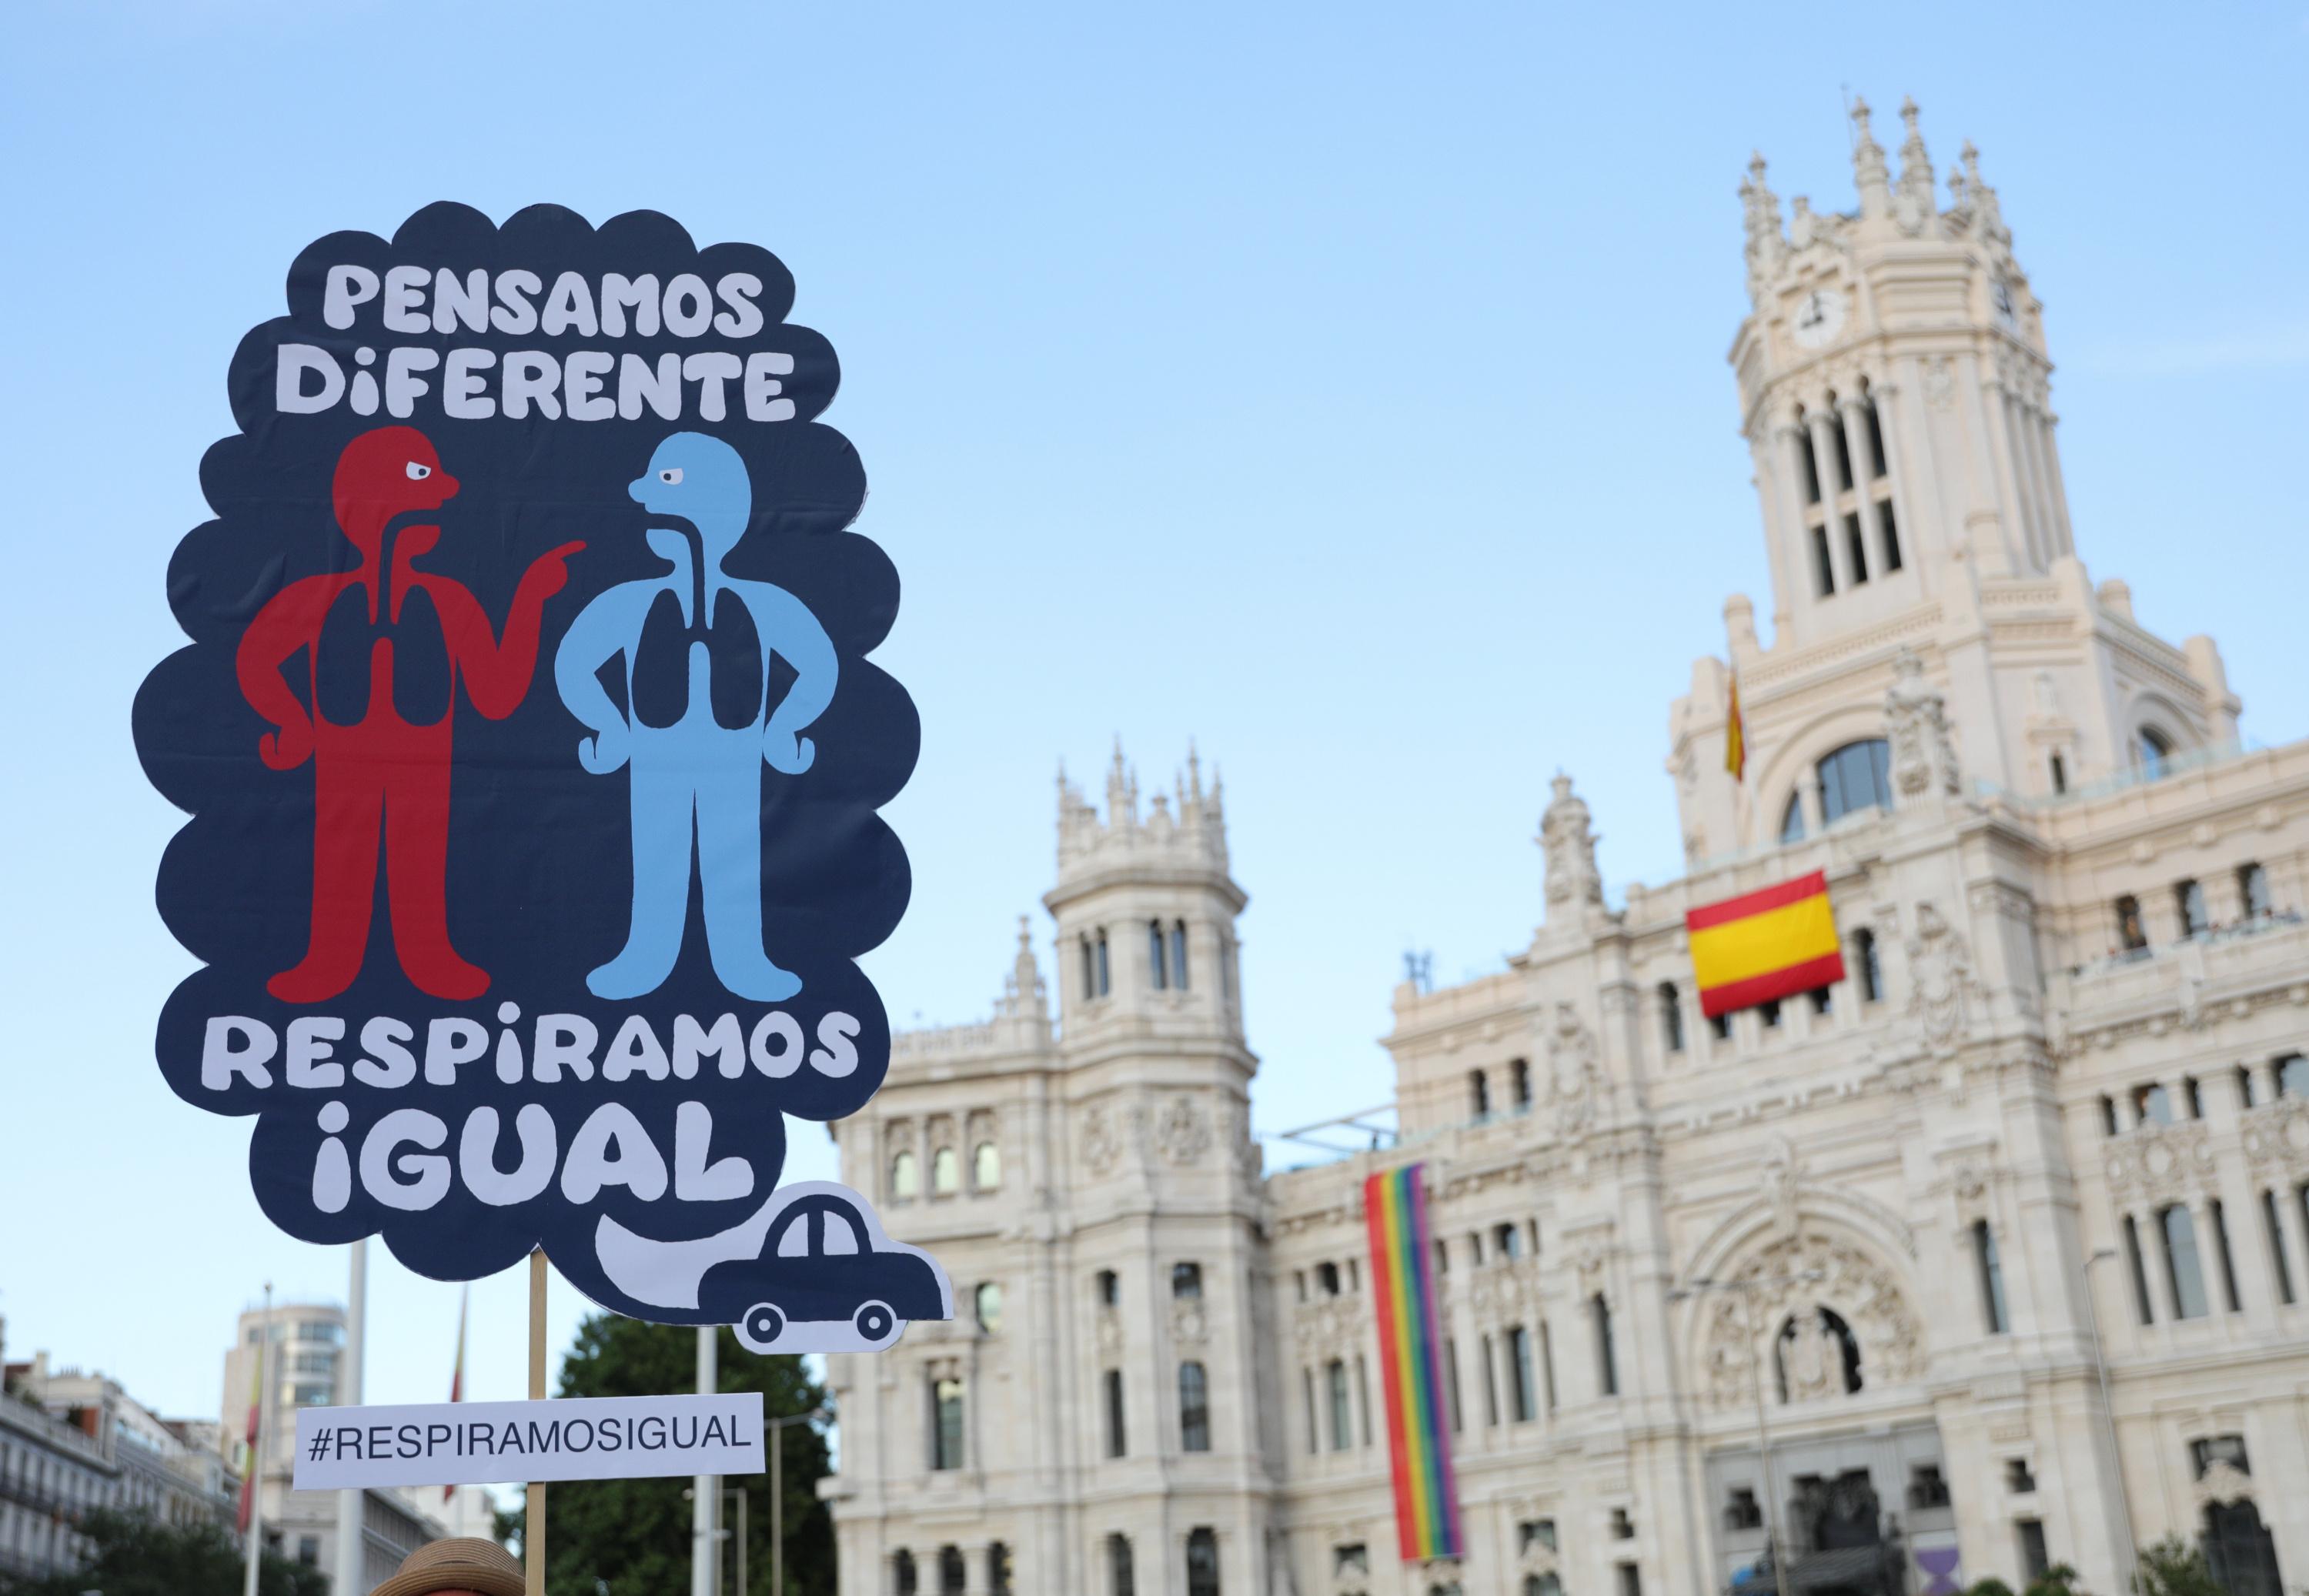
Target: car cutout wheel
(761, 1327)
(876, 1323)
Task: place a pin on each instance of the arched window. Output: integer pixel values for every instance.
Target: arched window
(1857, 776)
(1117, 1436)
(997, 1569)
(1334, 1381)
(1104, 982)
(1109, 1289)
(1807, 457)
(2151, 749)
(990, 1306)
(1089, 970)
(1608, 1362)
(1159, 958)
(946, 1172)
(1519, 1082)
(952, 1575)
(1671, 1008)
(2131, 935)
(1867, 965)
(986, 1167)
(906, 1178)
(1815, 1355)
(946, 1423)
(1479, 1087)
(1202, 1563)
(1194, 1408)
(902, 1577)
(1542, 1585)
(1179, 955)
(1121, 1580)
(1186, 1281)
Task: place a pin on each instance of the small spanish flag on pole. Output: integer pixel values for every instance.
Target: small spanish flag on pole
(1735, 738)
(1760, 946)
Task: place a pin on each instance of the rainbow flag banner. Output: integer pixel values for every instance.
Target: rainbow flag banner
(1772, 942)
(1411, 1364)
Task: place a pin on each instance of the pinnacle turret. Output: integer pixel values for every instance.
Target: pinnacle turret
(1869, 173)
(1918, 197)
(1188, 817)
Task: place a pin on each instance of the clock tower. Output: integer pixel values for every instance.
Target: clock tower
(1895, 394)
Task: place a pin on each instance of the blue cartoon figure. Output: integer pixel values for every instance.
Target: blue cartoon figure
(697, 644)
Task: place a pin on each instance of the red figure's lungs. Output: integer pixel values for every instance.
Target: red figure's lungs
(733, 645)
(346, 663)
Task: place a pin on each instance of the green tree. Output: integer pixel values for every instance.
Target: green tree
(132, 1554)
(631, 1537)
(1991, 1586)
(2173, 1567)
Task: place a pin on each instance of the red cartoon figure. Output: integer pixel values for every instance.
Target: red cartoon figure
(384, 647)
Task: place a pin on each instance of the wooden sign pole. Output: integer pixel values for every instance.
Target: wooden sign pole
(533, 1538)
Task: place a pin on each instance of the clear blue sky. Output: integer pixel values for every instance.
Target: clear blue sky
(1340, 385)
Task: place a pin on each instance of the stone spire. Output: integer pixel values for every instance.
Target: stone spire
(1917, 199)
(1570, 844)
(1767, 244)
(1988, 216)
(1023, 996)
(1868, 168)
(1189, 816)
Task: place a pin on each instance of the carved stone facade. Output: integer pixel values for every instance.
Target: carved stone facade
(2046, 1138)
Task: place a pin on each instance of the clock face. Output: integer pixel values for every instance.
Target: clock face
(2000, 298)
(1819, 318)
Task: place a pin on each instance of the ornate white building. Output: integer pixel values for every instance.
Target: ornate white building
(2005, 1236)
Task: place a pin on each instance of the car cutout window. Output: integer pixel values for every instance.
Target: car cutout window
(793, 1241)
(841, 1237)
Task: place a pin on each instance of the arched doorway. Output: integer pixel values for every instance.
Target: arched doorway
(2239, 1548)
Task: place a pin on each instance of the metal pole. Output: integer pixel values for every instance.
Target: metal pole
(777, 1507)
(2129, 1555)
(267, 1376)
(532, 1534)
(349, 1580)
(704, 1489)
(1764, 1443)
(739, 1493)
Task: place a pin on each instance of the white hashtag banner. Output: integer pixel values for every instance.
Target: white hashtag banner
(593, 1438)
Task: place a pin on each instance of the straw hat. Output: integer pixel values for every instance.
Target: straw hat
(481, 1566)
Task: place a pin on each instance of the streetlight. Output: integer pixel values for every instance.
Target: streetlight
(1743, 1288)
(776, 1427)
(2129, 1555)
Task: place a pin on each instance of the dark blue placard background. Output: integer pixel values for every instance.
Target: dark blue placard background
(539, 875)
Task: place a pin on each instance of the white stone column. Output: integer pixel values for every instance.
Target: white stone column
(2032, 435)
(1789, 437)
(1905, 516)
(1823, 454)
(2157, 1262)
(2049, 423)
(2293, 1236)
(1864, 462)
(2017, 464)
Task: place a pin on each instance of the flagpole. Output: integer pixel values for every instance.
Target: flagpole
(350, 1549)
(264, 1383)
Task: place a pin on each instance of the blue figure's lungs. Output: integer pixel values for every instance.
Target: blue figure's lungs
(342, 662)
(733, 646)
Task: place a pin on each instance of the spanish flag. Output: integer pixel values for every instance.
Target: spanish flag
(1773, 942)
(1736, 738)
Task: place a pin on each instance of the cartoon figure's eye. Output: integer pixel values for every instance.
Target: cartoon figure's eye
(671, 474)
(418, 473)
